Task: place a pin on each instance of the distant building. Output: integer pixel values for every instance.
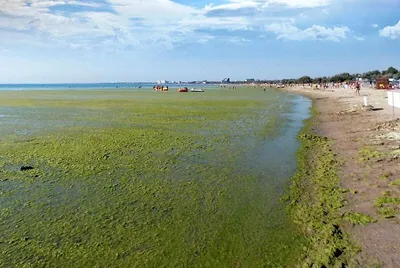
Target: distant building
(249, 80)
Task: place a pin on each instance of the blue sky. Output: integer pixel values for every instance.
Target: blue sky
(46, 41)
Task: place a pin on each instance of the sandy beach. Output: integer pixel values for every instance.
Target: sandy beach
(368, 143)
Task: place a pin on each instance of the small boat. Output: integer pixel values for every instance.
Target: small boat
(196, 90)
(184, 89)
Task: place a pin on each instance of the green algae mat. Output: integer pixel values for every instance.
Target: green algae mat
(148, 179)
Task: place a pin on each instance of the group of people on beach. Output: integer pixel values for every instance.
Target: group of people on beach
(351, 85)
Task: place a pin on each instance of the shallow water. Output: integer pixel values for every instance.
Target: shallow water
(127, 179)
(95, 86)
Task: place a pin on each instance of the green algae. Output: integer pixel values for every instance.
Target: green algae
(144, 180)
(315, 200)
(387, 206)
(368, 153)
(384, 176)
(395, 183)
(358, 218)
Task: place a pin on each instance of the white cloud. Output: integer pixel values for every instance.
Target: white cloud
(154, 10)
(303, 16)
(236, 40)
(375, 25)
(233, 5)
(15, 23)
(392, 32)
(205, 39)
(31, 8)
(299, 3)
(11, 38)
(141, 23)
(84, 4)
(289, 31)
(262, 4)
(359, 38)
(133, 20)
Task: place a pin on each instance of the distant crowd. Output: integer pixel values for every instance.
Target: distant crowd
(344, 85)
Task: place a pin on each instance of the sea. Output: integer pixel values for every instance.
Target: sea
(127, 178)
(95, 86)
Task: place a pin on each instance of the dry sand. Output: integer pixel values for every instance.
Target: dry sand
(342, 118)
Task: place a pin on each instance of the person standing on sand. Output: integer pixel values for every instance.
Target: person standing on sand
(357, 86)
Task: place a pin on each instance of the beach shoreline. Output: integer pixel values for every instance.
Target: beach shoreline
(368, 147)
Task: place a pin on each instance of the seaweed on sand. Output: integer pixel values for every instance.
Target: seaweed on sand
(314, 201)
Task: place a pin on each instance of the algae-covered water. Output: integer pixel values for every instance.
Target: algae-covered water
(146, 179)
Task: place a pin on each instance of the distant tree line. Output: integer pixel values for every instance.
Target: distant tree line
(391, 72)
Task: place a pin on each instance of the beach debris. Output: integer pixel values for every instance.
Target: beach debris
(368, 108)
(389, 125)
(355, 109)
(25, 168)
(395, 153)
(394, 136)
